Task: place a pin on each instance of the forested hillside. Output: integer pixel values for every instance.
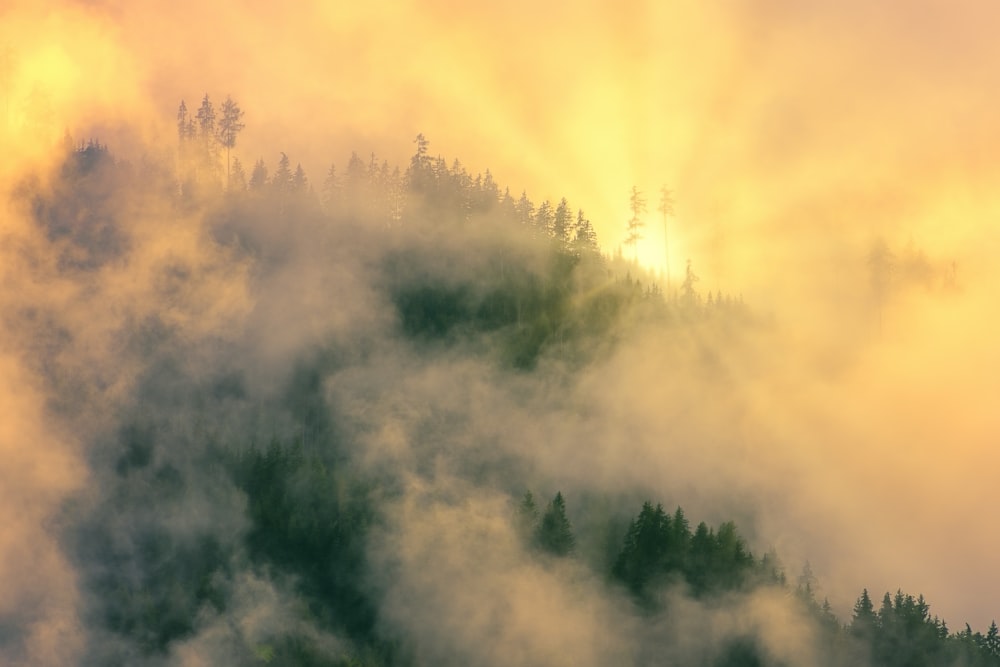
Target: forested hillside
(359, 419)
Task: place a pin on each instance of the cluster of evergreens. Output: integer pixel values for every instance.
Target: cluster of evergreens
(538, 288)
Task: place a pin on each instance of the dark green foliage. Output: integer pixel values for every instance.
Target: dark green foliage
(311, 522)
(151, 588)
(902, 633)
(526, 286)
(554, 534)
(649, 552)
(430, 311)
(864, 622)
(740, 652)
(658, 548)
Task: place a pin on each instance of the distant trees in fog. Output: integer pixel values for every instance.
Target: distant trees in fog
(200, 139)
(535, 293)
(892, 272)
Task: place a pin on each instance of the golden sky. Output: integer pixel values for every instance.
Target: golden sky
(792, 133)
(769, 120)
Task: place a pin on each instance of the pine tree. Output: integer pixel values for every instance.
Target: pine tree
(543, 219)
(561, 222)
(992, 641)
(554, 534)
(525, 210)
(864, 622)
(646, 549)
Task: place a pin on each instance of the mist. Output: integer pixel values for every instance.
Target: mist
(832, 169)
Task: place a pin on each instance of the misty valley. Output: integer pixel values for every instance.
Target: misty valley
(398, 415)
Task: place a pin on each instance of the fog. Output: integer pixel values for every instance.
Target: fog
(851, 426)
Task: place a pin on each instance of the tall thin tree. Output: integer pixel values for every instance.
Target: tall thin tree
(230, 126)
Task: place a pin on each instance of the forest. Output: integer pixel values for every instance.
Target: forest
(349, 421)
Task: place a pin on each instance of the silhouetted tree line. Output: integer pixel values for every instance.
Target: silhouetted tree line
(545, 309)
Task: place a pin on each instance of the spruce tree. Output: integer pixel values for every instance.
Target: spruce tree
(554, 534)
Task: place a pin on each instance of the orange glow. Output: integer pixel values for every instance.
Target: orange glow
(793, 135)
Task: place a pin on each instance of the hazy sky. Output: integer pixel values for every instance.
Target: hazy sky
(768, 119)
(793, 134)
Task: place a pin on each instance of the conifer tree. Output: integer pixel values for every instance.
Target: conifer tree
(562, 220)
(992, 641)
(543, 219)
(554, 534)
(525, 210)
(258, 178)
(282, 179)
(864, 622)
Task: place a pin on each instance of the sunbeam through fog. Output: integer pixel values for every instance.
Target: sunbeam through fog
(380, 377)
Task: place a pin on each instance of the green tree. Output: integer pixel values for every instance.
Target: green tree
(644, 554)
(554, 534)
(864, 612)
(992, 641)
